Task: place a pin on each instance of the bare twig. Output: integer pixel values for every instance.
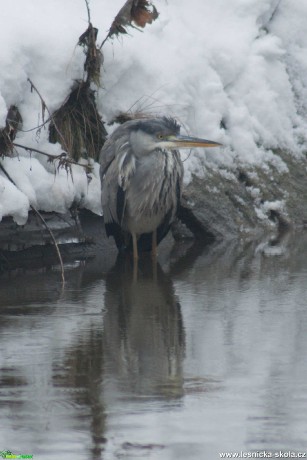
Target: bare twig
(45, 107)
(44, 223)
(88, 11)
(274, 12)
(51, 157)
(54, 241)
(36, 128)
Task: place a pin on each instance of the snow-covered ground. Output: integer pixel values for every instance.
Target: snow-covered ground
(234, 71)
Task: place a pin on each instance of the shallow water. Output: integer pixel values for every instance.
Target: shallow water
(205, 353)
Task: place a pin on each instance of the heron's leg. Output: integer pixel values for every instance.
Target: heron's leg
(135, 271)
(154, 254)
(154, 244)
(135, 246)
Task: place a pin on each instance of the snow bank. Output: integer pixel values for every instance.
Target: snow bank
(234, 71)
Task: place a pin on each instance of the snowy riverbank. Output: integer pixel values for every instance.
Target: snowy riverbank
(235, 72)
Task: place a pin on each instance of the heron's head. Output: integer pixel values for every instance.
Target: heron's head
(162, 133)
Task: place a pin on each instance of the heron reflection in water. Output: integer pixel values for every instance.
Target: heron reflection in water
(143, 330)
(141, 181)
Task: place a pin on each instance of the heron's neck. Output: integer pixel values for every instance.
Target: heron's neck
(141, 144)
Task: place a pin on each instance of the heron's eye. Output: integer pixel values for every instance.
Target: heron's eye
(160, 136)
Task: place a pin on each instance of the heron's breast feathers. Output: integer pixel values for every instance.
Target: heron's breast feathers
(153, 188)
(141, 190)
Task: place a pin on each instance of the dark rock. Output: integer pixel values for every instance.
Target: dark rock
(247, 202)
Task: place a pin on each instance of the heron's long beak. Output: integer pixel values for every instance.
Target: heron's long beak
(181, 142)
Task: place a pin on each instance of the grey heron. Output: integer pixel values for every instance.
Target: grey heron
(141, 180)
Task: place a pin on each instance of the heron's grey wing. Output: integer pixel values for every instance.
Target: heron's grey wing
(112, 195)
(116, 167)
(106, 157)
(114, 198)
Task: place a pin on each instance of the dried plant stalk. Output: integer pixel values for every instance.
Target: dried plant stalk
(8, 133)
(94, 57)
(79, 123)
